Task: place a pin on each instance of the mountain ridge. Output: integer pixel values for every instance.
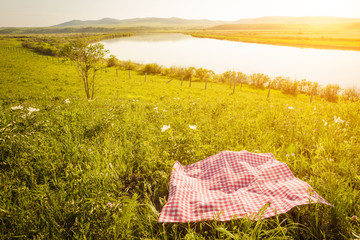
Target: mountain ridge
(173, 21)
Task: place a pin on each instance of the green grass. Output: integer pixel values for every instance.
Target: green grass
(321, 37)
(100, 169)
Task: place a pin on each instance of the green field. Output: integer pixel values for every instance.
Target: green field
(327, 36)
(79, 169)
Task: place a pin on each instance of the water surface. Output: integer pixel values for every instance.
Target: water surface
(323, 66)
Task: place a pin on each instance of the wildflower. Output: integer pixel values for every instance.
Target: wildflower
(325, 123)
(164, 110)
(67, 101)
(31, 110)
(314, 108)
(17, 107)
(287, 155)
(193, 127)
(165, 127)
(338, 120)
(155, 108)
(109, 204)
(293, 154)
(290, 107)
(354, 218)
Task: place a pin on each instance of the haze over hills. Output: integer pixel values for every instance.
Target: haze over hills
(142, 22)
(171, 22)
(153, 23)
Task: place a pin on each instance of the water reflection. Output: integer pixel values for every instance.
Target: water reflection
(323, 66)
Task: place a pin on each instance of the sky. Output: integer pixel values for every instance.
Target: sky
(41, 13)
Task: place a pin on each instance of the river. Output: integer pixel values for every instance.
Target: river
(170, 49)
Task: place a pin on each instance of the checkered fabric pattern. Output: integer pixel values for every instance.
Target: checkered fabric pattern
(232, 185)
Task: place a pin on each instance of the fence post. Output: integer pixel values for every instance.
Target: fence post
(182, 79)
(190, 81)
(269, 90)
(234, 85)
(312, 94)
(145, 76)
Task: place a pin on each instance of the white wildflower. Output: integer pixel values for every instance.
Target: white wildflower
(338, 120)
(193, 127)
(314, 108)
(31, 110)
(164, 110)
(165, 127)
(325, 123)
(290, 107)
(155, 108)
(17, 107)
(67, 101)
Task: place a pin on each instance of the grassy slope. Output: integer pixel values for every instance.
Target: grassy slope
(327, 36)
(101, 169)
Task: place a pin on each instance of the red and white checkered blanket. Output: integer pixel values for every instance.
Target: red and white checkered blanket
(232, 185)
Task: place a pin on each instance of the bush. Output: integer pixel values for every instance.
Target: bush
(259, 80)
(331, 92)
(305, 87)
(128, 65)
(112, 61)
(228, 76)
(290, 87)
(351, 94)
(189, 73)
(152, 68)
(174, 72)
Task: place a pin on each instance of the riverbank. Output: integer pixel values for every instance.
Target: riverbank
(347, 40)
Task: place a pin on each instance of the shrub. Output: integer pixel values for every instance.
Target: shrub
(189, 73)
(278, 82)
(351, 94)
(259, 80)
(128, 65)
(228, 76)
(112, 61)
(290, 87)
(173, 72)
(151, 68)
(204, 74)
(331, 92)
(241, 78)
(305, 87)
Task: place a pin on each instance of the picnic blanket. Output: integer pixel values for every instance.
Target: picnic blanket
(232, 185)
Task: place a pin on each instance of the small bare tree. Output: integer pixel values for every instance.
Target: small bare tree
(88, 60)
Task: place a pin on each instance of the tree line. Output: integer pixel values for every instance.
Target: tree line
(330, 92)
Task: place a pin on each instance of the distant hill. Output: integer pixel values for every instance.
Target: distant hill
(142, 22)
(152, 23)
(173, 22)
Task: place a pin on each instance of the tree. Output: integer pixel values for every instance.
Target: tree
(88, 60)
(189, 73)
(330, 92)
(204, 74)
(241, 78)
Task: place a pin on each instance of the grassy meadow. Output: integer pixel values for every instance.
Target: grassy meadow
(77, 169)
(334, 36)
